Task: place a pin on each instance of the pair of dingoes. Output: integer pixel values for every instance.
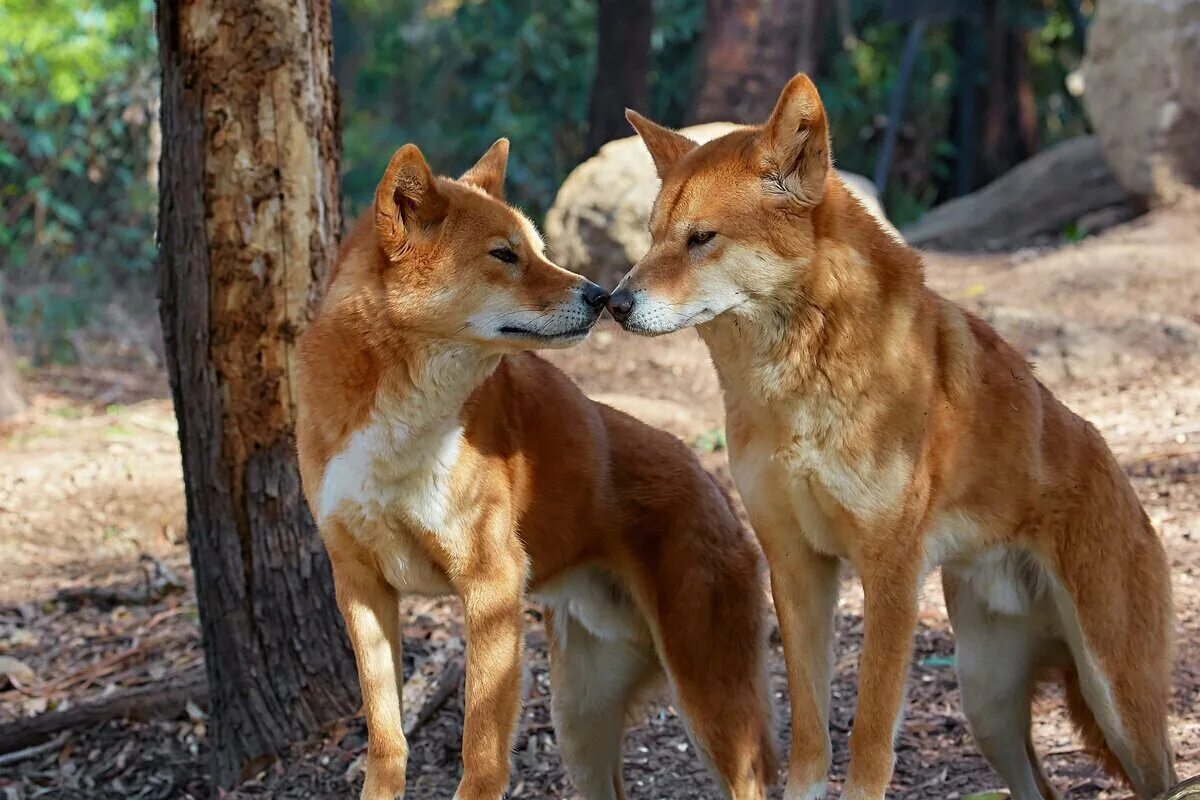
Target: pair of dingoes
(868, 420)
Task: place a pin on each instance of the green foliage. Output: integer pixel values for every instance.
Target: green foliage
(454, 82)
(712, 441)
(76, 103)
(453, 75)
(858, 76)
(78, 96)
(674, 49)
(857, 81)
(65, 48)
(1053, 55)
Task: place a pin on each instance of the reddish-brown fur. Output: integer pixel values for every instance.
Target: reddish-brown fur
(873, 421)
(538, 487)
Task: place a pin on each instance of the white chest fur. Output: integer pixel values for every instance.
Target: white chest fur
(393, 483)
(388, 483)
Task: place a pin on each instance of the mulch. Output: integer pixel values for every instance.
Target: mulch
(167, 759)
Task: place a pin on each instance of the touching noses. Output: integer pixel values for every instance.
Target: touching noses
(594, 296)
(620, 304)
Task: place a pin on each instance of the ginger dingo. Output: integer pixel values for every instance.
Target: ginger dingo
(439, 457)
(873, 421)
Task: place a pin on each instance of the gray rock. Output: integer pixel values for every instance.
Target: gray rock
(1142, 93)
(1037, 198)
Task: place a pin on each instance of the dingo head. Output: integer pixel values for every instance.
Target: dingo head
(452, 260)
(732, 219)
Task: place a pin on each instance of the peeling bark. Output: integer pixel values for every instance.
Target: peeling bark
(248, 222)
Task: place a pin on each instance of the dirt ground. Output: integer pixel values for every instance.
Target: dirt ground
(95, 593)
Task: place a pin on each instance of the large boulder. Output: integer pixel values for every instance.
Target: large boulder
(1038, 198)
(1141, 79)
(597, 225)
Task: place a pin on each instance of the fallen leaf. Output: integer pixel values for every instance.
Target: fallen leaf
(194, 712)
(17, 672)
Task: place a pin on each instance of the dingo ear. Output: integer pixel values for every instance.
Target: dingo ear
(407, 200)
(665, 145)
(796, 143)
(488, 172)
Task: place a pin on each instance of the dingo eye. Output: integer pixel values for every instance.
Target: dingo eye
(701, 237)
(504, 254)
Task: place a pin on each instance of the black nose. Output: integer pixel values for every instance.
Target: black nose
(620, 305)
(594, 296)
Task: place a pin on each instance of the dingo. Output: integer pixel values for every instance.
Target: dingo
(438, 457)
(871, 420)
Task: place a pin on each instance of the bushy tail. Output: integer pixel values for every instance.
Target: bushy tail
(1089, 730)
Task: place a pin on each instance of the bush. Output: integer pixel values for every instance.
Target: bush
(77, 102)
(453, 75)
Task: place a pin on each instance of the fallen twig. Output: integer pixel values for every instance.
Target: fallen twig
(433, 681)
(34, 751)
(144, 702)
(106, 665)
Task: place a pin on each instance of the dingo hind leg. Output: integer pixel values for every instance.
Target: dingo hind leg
(594, 680)
(997, 657)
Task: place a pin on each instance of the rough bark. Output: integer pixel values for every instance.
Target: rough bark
(248, 222)
(751, 49)
(12, 401)
(623, 30)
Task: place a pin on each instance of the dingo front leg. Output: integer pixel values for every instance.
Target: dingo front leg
(493, 605)
(804, 585)
(371, 609)
(889, 621)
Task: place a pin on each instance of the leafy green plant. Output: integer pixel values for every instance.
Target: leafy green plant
(77, 101)
(455, 74)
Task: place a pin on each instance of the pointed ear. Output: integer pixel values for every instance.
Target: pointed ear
(665, 145)
(406, 199)
(488, 172)
(796, 143)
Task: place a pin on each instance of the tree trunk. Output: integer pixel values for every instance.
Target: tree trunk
(248, 222)
(803, 50)
(751, 49)
(1009, 130)
(12, 401)
(622, 65)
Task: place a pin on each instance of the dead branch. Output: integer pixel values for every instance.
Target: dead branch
(433, 681)
(144, 702)
(18, 756)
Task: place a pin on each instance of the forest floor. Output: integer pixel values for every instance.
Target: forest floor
(96, 597)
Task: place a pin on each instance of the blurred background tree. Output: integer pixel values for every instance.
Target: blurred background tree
(78, 108)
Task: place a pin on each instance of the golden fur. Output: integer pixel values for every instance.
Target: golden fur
(872, 421)
(437, 456)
